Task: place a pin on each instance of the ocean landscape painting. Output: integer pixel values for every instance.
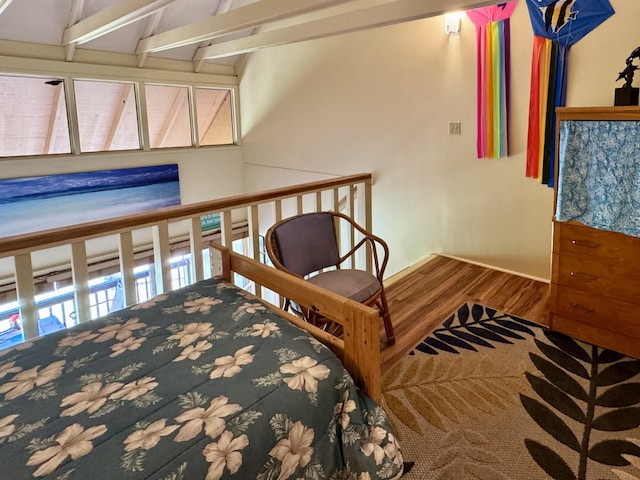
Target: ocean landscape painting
(31, 204)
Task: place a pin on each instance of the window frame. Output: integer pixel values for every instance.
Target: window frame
(68, 73)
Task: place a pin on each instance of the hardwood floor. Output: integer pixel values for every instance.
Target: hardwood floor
(426, 296)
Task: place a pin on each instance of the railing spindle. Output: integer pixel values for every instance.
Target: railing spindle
(195, 247)
(127, 267)
(80, 275)
(161, 253)
(26, 294)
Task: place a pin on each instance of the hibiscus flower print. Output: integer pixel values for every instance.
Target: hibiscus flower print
(306, 373)
(147, 438)
(263, 330)
(75, 340)
(22, 346)
(129, 344)
(6, 426)
(392, 451)
(7, 368)
(120, 331)
(136, 389)
(228, 366)
(212, 419)
(295, 450)
(251, 308)
(74, 442)
(90, 398)
(342, 409)
(200, 305)
(25, 380)
(149, 303)
(192, 352)
(224, 453)
(192, 332)
(371, 443)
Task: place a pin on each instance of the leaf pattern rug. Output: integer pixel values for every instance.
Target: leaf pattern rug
(491, 396)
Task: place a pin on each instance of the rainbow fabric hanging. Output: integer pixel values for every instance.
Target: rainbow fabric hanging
(557, 24)
(493, 67)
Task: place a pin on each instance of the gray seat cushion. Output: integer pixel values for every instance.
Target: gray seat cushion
(357, 285)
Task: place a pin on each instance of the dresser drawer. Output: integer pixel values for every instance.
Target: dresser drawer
(595, 310)
(591, 243)
(617, 341)
(592, 275)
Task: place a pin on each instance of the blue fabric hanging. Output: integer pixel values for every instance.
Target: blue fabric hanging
(563, 22)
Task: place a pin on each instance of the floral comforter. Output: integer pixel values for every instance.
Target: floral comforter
(203, 383)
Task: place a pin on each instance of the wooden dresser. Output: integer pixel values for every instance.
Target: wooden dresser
(595, 274)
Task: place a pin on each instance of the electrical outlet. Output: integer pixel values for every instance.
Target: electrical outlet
(455, 128)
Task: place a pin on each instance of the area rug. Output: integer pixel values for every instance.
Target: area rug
(489, 395)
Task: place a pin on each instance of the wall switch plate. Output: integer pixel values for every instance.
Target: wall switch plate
(455, 128)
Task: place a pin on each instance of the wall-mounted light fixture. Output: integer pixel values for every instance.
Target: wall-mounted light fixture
(452, 22)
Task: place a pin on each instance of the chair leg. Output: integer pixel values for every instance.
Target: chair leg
(386, 318)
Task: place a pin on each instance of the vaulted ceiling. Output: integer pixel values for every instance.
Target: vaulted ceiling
(213, 31)
(208, 36)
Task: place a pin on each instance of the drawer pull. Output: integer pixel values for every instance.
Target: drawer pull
(584, 276)
(583, 307)
(582, 243)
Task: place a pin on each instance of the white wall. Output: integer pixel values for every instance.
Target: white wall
(380, 101)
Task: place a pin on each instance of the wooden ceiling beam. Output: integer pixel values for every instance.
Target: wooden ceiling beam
(4, 4)
(74, 16)
(390, 13)
(232, 21)
(52, 129)
(116, 16)
(179, 101)
(117, 115)
(150, 29)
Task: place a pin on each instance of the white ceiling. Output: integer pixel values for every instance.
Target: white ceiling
(216, 31)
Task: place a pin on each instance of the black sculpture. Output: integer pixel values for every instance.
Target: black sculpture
(627, 94)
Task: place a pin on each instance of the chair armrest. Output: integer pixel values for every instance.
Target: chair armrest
(376, 243)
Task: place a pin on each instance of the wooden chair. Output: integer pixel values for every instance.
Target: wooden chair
(307, 246)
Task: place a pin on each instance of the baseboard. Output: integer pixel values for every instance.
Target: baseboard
(406, 271)
(493, 267)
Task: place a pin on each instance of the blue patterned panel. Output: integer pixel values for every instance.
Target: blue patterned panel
(599, 174)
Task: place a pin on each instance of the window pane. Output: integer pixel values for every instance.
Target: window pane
(168, 116)
(107, 118)
(215, 125)
(33, 116)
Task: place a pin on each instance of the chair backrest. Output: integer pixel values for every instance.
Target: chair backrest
(306, 243)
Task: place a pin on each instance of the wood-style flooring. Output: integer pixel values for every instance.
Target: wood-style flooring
(430, 293)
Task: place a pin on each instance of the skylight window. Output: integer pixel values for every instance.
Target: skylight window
(107, 116)
(33, 116)
(168, 116)
(39, 117)
(214, 116)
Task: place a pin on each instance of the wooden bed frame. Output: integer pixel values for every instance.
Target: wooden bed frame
(359, 349)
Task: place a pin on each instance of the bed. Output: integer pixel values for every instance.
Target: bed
(205, 382)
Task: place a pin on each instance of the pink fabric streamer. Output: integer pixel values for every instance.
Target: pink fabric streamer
(492, 116)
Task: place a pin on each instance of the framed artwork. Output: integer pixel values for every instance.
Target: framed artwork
(31, 204)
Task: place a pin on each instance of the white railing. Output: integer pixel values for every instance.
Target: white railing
(76, 248)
